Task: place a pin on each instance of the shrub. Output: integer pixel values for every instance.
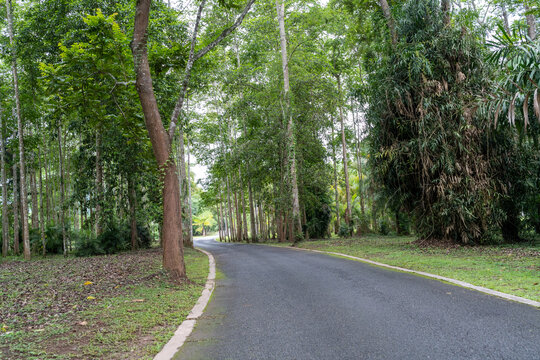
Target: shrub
(345, 230)
(88, 246)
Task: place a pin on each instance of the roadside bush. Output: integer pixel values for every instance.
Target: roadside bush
(114, 239)
(53, 240)
(88, 246)
(384, 227)
(144, 237)
(345, 230)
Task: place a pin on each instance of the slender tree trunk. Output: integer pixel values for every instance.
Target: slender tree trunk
(133, 212)
(531, 23)
(173, 259)
(22, 165)
(336, 193)
(238, 217)
(506, 23)
(189, 206)
(62, 192)
(184, 181)
(360, 182)
(35, 208)
(5, 219)
(231, 224)
(291, 143)
(360, 172)
(42, 212)
(243, 204)
(389, 21)
(99, 183)
(252, 218)
(220, 218)
(348, 211)
(15, 211)
(445, 6)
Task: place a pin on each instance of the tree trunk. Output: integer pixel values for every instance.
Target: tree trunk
(35, 208)
(360, 172)
(22, 165)
(243, 204)
(133, 213)
(348, 211)
(5, 219)
(252, 217)
(189, 209)
(389, 21)
(506, 23)
(15, 211)
(291, 143)
(531, 23)
(184, 181)
(445, 6)
(336, 193)
(238, 217)
(99, 184)
(231, 224)
(173, 260)
(62, 193)
(42, 210)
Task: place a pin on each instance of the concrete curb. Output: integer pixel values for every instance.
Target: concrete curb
(185, 329)
(433, 276)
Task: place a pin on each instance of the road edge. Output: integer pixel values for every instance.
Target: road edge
(464, 284)
(186, 327)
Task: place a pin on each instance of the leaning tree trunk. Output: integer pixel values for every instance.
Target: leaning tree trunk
(348, 211)
(22, 165)
(291, 143)
(171, 233)
(5, 220)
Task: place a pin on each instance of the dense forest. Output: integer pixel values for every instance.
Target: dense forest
(314, 119)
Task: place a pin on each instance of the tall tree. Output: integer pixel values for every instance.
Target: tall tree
(5, 219)
(161, 139)
(20, 126)
(287, 115)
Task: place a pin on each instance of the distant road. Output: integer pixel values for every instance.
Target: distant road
(278, 303)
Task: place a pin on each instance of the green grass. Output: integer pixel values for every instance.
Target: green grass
(135, 311)
(509, 269)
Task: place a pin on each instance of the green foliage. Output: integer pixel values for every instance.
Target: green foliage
(88, 246)
(428, 145)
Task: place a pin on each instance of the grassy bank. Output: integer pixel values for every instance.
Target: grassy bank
(510, 269)
(114, 307)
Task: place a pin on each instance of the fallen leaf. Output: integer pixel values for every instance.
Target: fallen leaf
(138, 300)
(88, 283)
(90, 298)
(83, 323)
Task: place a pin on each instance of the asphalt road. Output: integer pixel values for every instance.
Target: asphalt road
(278, 303)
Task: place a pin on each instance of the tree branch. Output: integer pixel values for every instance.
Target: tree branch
(194, 57)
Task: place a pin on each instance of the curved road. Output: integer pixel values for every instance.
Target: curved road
(278, 303)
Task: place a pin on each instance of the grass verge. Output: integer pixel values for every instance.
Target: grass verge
(512, 269)
(115, 307)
